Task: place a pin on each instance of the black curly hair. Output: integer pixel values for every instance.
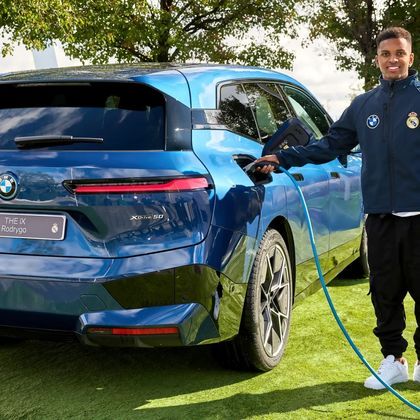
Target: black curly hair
(393, 32)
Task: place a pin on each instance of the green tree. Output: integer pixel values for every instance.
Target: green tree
(351, 26)
(223, 31)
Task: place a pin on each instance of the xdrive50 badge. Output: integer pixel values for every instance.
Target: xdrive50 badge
(8, 186)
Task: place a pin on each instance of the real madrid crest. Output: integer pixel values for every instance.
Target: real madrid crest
(412, 120)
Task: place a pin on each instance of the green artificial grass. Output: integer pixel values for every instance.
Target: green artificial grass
(318, 377)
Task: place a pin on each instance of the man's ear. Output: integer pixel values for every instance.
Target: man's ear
(376, 61)
(411, 59)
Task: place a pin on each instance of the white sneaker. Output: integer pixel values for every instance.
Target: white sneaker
(390, 371)
(416, 372)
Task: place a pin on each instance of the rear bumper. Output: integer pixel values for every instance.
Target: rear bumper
(198, 304)
(202, 292)
(188, 324)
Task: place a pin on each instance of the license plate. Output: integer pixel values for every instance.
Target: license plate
(32, 226)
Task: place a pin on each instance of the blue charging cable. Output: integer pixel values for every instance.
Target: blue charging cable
(330, 303)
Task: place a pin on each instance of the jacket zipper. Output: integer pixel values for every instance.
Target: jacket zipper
(390, 146)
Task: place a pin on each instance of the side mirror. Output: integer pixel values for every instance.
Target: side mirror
(290, 133)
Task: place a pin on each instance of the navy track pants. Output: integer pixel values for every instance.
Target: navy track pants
(394, 261)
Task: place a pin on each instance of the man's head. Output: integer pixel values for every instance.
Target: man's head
(394, 53)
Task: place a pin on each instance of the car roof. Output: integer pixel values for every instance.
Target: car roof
(203, 80)
(168, 77)
(106, 72)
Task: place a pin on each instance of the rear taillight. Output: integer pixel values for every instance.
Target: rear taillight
(119, 187)
(133, 331)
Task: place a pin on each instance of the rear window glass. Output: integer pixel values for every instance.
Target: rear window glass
(127, 116)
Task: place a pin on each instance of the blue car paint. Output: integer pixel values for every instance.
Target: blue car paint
(57, 305)
(217, 251)
(315, 188)
(346, 211)
(242, 213)
(203, 81)
(206, 81)
(170, 82)
(323, 195)
(47, 173)
(238, 199)
(51, 296)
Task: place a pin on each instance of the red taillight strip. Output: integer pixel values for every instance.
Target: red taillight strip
(181, 184)
(134, 331)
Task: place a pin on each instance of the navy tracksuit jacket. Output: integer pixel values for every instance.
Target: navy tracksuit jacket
(385, 122)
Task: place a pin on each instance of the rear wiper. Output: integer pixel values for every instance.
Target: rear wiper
(41, 141)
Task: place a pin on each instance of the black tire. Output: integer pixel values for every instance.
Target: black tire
(267, 310)
(10, 341)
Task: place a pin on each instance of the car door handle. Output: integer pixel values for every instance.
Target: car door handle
(335, 175)
(298, 177)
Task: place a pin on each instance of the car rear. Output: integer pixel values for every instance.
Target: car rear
(99, 188)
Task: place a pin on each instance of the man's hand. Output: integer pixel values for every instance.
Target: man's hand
(267, 168)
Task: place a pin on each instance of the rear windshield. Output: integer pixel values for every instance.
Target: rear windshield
(127, 116)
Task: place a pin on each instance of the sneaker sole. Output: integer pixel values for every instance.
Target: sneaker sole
(379, 386)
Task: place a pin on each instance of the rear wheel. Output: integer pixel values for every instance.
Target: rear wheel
(267, 310)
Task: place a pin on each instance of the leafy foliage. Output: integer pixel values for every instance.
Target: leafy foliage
(223, 31)
(351, 27)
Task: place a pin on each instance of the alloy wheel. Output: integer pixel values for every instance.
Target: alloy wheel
(275, 301)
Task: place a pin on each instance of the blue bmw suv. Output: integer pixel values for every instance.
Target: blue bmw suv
(127, 218)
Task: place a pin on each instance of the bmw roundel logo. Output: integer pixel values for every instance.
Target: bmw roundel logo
(372, 121)
(8, 186)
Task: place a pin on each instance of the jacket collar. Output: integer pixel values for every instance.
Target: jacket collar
(395, 85)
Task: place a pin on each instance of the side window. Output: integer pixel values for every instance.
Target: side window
(307, 111)
(269, 108)
(236, 112)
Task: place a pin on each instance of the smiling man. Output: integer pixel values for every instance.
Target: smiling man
(394, 56)
(385, 123)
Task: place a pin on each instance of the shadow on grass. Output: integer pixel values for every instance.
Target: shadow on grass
(76, 369)
(312, 398)
(105, 383)
(349, 273)
(346, 282)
